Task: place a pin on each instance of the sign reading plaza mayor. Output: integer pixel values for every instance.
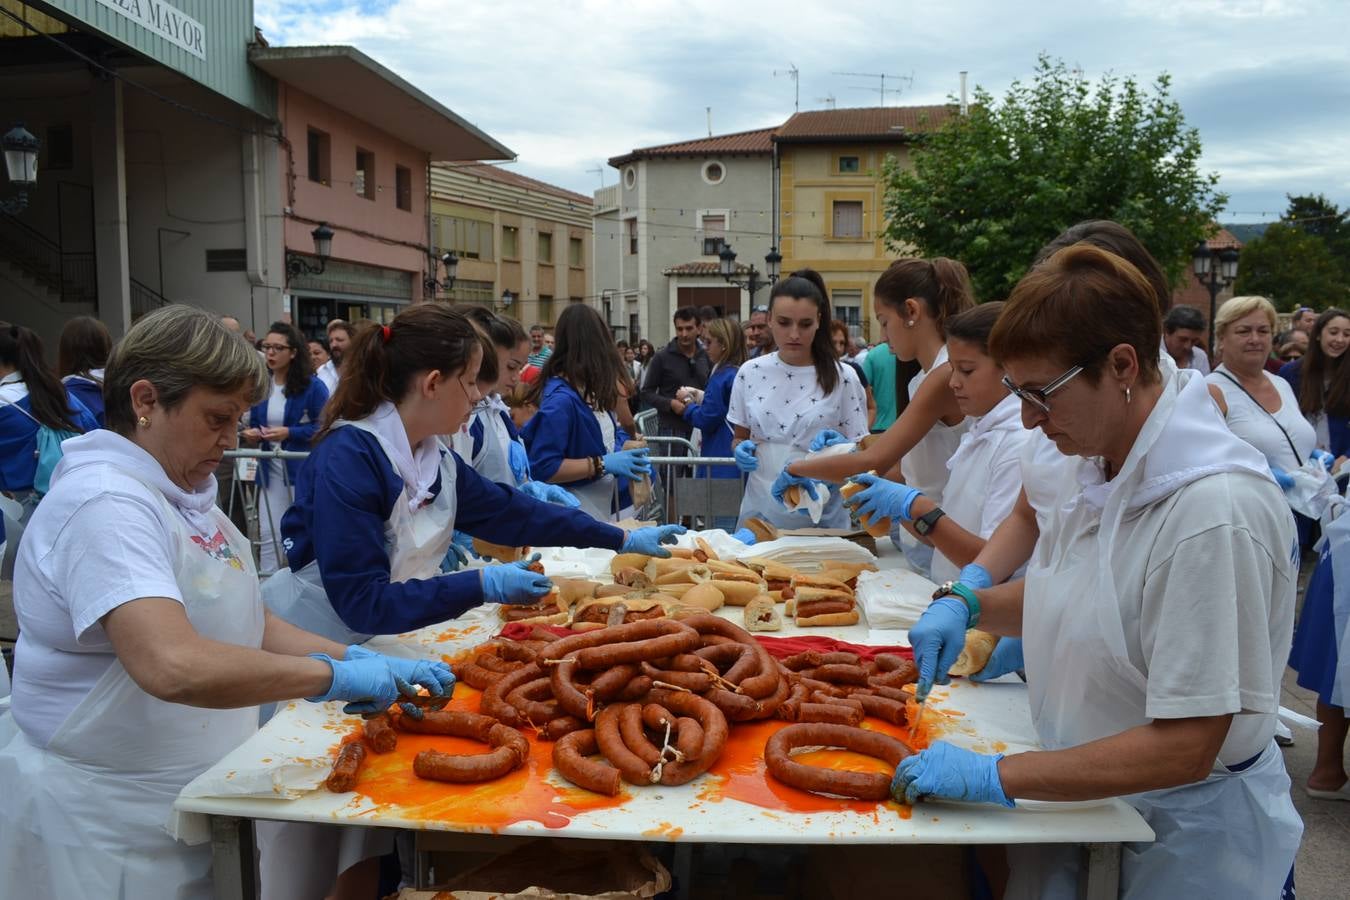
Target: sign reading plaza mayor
(170, 23)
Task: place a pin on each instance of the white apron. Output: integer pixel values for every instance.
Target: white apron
(1337, 534)
(1074, 638)
(91, 815)
(759, 501)
(493, 460)
(598, 499)
(416, 543)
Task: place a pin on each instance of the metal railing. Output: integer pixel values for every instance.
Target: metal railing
(70, 275)
(145, 299)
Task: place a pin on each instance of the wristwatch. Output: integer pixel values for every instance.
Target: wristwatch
(924, 523)
(957, 589)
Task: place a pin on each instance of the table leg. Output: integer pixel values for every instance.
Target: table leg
(1103, 871)
(683, 863)
(232, 868)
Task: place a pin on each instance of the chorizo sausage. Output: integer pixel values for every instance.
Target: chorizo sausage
(698, 682)
(494, 663)
(380, 734)
(850, 701)
(509, 752)
(634, 737)
(790, 707)
(474, 675)
(836, 673)
(494, 702)
(631, 643)
(897, 678)
(557, 727)
(715, 731)
(608, 684)
(534, 700)
(736, 707)
(881, 690)
(637, 689)
(571, 757)
(883, 708)
(453, 722)
(839, 657)
(858, 785)
(346, 768)
(631, 767)
(807, 659)
(831, 713)
(570, 698)
(823, 607)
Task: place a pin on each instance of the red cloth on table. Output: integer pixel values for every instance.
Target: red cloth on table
(781, 648)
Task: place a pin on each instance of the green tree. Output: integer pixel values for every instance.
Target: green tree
(990, 188)
(1293, 268)
(1317, 216)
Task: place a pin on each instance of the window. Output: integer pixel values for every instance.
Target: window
(469, 238)
(847, 303)
(630, 177)
(510, 242)
(546, 310)
(632, 236)
(849, 165)
(403, 187)
(545, 246)
(59, 148)
(714, 173)
(467, 291)
(848, 215)
(232, 260)
(634, 329)
(320, 156)
(364, 182)
(574, 251)
(714, 233)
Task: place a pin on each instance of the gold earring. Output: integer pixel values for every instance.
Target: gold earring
(143, 422)
(909, 324)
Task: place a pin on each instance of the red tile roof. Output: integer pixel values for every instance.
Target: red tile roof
(742, 142)
(870, 123)
(503, 175)
(702, 268)
(1223, 239)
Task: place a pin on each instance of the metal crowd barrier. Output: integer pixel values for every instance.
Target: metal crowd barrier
(245, 502)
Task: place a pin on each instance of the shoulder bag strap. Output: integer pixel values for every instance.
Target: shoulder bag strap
(1267, 412)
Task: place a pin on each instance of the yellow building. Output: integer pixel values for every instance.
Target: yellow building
(831, 193)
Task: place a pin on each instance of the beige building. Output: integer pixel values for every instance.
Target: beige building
(511, 234)
(831, 214)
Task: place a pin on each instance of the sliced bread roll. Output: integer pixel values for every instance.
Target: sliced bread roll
(975, 655)
(878, 528)
(761, 614)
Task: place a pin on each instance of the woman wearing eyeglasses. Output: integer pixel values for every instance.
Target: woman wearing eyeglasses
(376, 506)
(1156, 611)
(288, 417)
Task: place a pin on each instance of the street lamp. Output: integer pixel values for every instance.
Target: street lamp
(21, 159)
(507, 299)
(1214, 277)
(773, 263)
(451, 263)
(297, 265)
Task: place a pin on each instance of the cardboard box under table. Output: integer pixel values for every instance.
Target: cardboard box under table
(279, 773)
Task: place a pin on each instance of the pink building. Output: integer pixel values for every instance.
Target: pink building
(359, 141)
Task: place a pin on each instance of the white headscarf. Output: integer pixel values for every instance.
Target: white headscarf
(418, 466)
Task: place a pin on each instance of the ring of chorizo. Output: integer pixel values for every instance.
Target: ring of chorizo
(857, 785)
(509, 752)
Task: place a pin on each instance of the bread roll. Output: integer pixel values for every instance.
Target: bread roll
(975, 655)
(498, 552)
(738, 593)
(628, 561)
(878, 528)
(762, 530)
(705, 595)
(762, 615)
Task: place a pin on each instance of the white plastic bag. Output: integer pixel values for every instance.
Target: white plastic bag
(1312, 491)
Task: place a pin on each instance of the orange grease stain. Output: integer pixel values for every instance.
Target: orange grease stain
(529, 794)
(664, 830)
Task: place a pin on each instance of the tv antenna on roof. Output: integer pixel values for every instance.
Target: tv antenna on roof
(598, 170)
(829, 100)
(792, 72)
(881, 91)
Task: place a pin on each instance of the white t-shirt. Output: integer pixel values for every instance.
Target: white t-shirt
(1256, 426)
(785, 404)
(1199, 359)
(986, 477)
(925, 465)
(1205, 580)
(328, 374)
(99, 539)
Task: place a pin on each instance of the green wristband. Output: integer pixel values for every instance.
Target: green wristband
(972, 602)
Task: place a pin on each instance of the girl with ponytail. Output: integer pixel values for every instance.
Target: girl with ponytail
(31, 398)
(913, 299)
(780, 400)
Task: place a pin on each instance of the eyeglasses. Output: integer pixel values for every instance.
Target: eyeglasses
(755, 309)
(1039, 397)
(269, 348)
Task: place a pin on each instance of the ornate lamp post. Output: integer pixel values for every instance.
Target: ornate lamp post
(1214, 277)
(21, 160)
(773, 263)
(297, 265)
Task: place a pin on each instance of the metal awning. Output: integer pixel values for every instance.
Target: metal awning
(347, 79)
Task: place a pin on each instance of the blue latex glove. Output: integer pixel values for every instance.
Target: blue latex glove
(514, 583)
(827, 438)
(883, 498)
(976, 577)
(519, 461)
(435, 676)
(1326, 459)
(745, 456)
(786, 479)
(549, 493)
(746, 536)
(648, 540)
(369, 683)
(459, 552)
(1282, 478)
(952, 773)
(1007, 657)
(938, 639)
(630, 464)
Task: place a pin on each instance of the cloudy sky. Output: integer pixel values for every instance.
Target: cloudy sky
(569, 84)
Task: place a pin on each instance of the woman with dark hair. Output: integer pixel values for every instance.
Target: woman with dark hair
(1321, 381)
(1156, 610)
(574, 439)
(32, 399)
(913, 300)
(781, 399)
(81, 356)
(375, 510)
(318, 354)
(645, 352)
(289, 417)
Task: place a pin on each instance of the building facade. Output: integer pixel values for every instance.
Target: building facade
(525, 247)
(831, 217)
(658, 231)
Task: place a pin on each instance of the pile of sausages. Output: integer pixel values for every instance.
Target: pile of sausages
(841, 689)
